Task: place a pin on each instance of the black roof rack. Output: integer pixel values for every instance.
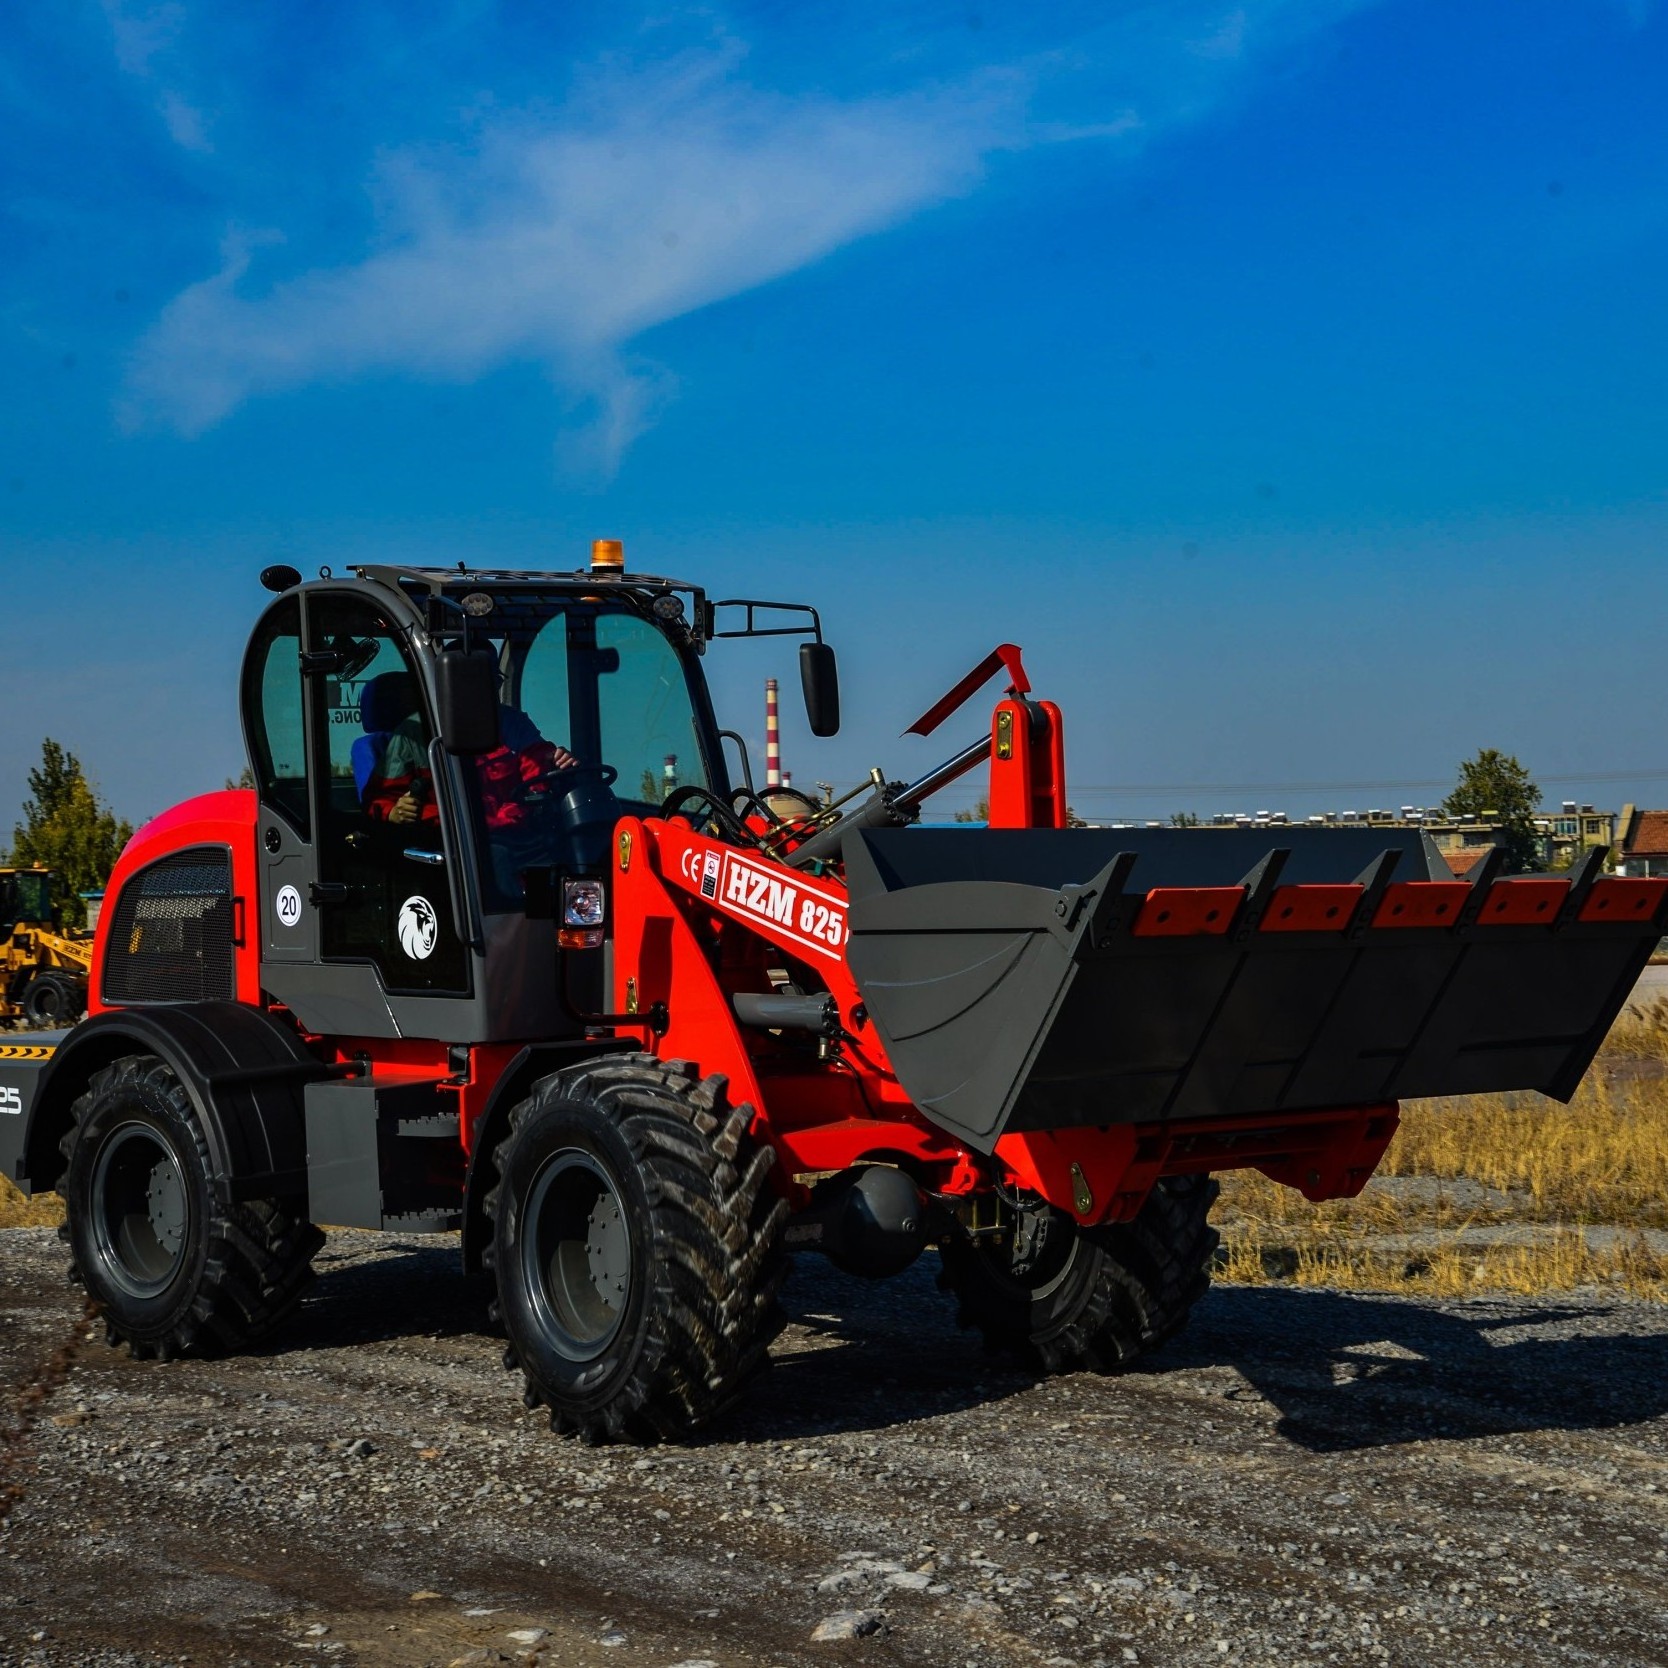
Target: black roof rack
(437, 580)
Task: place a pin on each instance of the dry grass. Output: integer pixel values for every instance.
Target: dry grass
(1602, 1158)
(18, 1212)
(1442, 1264)
(1489, 1193)
(1640, 1034)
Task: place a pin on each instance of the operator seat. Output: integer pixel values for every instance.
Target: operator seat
(384, 704)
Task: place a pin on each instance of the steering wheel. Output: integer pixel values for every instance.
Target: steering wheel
(605, 775)
(583, 808)
(722, 812)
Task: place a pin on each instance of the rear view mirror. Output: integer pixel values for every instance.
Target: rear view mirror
(821, 678)
(467, 688)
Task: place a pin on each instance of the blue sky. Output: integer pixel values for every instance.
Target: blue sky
(1289, 378)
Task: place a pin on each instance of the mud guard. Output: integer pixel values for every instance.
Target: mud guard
(243, 1069)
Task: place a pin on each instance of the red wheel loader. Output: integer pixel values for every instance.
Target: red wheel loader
(499, 944)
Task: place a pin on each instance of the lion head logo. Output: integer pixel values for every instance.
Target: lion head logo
(418, 928)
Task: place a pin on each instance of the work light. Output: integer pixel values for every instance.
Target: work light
(584, 903)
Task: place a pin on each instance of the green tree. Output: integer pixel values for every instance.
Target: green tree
(1184, 819)
(1493, 787)
(979, 813)
(68, 829)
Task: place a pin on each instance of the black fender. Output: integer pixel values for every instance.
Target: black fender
(513, 1086)
(243, 1068)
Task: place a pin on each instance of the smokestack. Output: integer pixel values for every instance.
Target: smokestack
(669, 775)
(773, 738)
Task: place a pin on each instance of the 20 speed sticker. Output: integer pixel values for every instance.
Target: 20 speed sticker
(287, 906)
(793, 909)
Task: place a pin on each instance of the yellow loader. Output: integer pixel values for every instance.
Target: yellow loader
(43, 972)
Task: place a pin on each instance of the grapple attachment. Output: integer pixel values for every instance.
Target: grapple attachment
(1048, 978)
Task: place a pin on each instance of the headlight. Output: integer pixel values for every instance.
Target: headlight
(584, 903)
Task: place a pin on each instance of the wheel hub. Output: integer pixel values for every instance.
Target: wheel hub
(141, 1212)
(576, 1253)
(165, 1199)
(607, 1251)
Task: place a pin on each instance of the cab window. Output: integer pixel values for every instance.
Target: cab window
(613, 690)
(33, 899)
(644, 713)
(277, 732)
(597, 722)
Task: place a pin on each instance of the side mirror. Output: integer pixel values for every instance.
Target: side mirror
(467, 688)
(821, 678)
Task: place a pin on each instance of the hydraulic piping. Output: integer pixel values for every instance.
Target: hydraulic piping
(891, 805)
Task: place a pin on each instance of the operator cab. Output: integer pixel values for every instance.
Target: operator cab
(597, 718)
(436, 752)
(25, 898)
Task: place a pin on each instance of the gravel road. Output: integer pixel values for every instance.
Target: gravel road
(1304, 1477)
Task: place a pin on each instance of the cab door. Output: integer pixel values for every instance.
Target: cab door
(383, 890)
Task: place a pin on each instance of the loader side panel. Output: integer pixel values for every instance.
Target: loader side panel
(23, 1057)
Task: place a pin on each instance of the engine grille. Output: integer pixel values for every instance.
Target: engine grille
(171, 935)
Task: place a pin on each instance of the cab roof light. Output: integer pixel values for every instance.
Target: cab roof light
(607, 556)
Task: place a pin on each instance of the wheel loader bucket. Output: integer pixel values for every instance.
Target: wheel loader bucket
(1045, 978)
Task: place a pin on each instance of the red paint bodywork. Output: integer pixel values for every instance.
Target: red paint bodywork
(223, 819)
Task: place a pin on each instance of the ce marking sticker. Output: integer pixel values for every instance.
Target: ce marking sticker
(702, 867)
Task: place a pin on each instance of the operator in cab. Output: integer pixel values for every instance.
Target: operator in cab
(396, 786)
(512, 775)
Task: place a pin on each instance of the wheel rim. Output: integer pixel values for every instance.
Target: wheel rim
(576, 1256)
(140, 1209)
(1059, 1259)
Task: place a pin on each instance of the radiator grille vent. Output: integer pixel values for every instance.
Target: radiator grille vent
(171, 935)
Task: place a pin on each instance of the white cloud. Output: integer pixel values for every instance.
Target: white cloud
(146, 36)
(186, 124)
(1227, 39)
(657, 193)
(143, 32)
(561, 238)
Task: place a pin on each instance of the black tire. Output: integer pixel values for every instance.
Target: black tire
(1095, 1298)
(636, 1249)
(176, 1265)
(54, 999)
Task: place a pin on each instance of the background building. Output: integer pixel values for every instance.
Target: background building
(1642, 842)
(1561, 835)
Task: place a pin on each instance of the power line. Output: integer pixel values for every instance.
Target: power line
(1377, 783)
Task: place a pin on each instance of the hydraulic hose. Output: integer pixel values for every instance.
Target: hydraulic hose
(895, 805)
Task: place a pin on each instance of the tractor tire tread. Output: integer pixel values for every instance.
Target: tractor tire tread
(1142, 1280)
(260, 1252)
(716, 1225)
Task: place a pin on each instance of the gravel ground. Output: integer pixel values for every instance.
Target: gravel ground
(1304, 1478)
